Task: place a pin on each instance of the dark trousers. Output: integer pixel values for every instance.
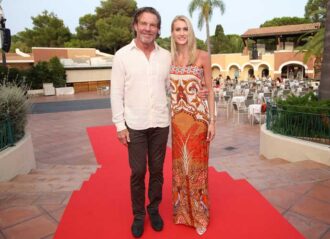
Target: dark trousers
(146, 147)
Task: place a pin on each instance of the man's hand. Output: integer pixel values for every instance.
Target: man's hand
(203, 93)
(123, 136)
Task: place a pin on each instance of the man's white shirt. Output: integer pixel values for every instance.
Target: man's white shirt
(138, 88)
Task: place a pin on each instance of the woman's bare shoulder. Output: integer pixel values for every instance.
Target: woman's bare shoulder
(202, 53)
(202, 56)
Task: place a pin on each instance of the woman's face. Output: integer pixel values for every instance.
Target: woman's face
(180, 32)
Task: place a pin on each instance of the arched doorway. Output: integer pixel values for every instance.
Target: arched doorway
(293, 72)
(216, 71)
(233, 71)
(263, 71)
(248, 71)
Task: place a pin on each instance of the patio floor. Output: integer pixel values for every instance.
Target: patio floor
(31, 205)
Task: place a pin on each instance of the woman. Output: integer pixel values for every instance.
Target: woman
(193, 126)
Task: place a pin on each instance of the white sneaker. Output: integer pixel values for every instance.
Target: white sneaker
(200, 230)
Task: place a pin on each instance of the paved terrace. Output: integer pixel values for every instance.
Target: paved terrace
(31, 205)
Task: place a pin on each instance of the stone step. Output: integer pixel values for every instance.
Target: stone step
(36, 177)
(39, 187)
(50, 178)
(66, 169)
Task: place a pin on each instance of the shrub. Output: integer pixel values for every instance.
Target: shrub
(38, 75)
(46, 72)
(14, 106)
(58, 75)
(305, 117)
(11, 75)
(308, 103)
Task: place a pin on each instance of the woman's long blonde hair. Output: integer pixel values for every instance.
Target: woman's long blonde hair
(191, 40)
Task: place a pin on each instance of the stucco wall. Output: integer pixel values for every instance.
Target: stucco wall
(87, 75)
(292, 149)
(18, 159)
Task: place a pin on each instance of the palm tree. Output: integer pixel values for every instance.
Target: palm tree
(324, 88)
(206, 11)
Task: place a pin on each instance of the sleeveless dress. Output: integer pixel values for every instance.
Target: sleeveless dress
(190, 150)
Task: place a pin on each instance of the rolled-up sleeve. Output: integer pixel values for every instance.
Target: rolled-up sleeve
(117, 93)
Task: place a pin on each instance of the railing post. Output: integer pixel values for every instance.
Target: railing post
(10, 133)
(270, 112)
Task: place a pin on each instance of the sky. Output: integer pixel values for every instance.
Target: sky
(239, 15)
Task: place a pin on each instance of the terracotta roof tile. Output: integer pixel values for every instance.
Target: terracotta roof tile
(281, 30)
(16, 57)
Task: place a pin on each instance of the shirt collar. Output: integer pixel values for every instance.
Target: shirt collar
(133, 45)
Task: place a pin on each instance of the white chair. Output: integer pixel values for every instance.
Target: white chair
(240, 109)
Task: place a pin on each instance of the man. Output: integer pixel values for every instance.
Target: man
(140, 74)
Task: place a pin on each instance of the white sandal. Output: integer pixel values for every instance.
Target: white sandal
(200, 230)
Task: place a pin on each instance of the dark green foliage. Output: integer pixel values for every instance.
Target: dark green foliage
(108, 29)
(113, 33)
(201, 44)
(283, 21)
(38, 75)
(12, 75)
(305, 117)
(14, 106)
(308, 103)
(48, 31)
(43, 72)
(46, 72)
(164, 42)
(222, 43)
(315, 10)
(57, 72)
(324, 90)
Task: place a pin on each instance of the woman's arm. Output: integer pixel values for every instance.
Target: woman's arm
(206, 63)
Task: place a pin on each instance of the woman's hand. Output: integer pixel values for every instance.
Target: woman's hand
(203, 93)
(211, 131)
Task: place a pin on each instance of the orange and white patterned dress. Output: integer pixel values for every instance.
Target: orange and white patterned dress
(190, 150)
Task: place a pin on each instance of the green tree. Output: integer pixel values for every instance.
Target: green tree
(218, 40)
(86, 32)
(201, 44)
(315, 10)
(164, 42)
(57, 71)
(324, 88)
(108, 29)
(282, 21)
(38, 75)
(236, 43)
(18, 43)
(46, 72)
(11, 75)
(222, 43)
(205, 8)
(314, 46)
(48, 31)
(113, 33)
(116, 7)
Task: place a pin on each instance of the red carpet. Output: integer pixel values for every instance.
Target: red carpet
(101, 209)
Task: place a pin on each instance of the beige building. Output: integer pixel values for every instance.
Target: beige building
(281, 61)
(86, 68)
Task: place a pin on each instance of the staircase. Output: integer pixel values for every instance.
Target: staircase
(49, 179)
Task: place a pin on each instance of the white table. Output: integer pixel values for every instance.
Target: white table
(254, 111)
(238, 99)
(260, 96)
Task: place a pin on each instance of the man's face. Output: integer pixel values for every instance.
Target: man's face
(146, 28)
